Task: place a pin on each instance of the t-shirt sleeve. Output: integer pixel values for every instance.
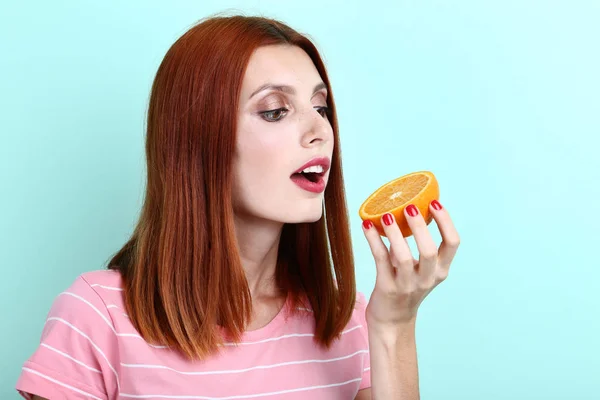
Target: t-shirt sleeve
(361, 307)
(77, 354)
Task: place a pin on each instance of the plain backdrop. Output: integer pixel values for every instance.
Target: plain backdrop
(500, 99)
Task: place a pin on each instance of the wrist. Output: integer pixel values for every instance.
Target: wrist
(396, 335)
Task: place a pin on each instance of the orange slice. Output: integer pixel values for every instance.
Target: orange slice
(418, 188)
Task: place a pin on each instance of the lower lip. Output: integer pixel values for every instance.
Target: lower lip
(314, 187)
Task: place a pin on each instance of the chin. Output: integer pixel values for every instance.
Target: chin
(308, 220)
(304, 212)
(306, 216)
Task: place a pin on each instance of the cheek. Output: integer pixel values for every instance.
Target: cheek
(262, 143)
(262, 156)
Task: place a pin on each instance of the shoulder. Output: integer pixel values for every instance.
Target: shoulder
(106, 285)
(102, 279)
(86, 301)
(97, 284)
(92, 281)
(78, 348)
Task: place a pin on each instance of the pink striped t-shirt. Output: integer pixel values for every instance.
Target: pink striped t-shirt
(90, 350)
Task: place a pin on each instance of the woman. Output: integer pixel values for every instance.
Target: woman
(238, 281)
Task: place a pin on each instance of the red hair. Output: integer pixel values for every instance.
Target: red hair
(182, 272)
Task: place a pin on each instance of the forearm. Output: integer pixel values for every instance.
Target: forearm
(394, 370)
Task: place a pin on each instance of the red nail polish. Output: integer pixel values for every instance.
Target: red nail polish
(388, 219)
(412, 210)
(436, 205)
(367, 224)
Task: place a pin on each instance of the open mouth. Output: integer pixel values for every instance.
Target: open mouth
(313, 177)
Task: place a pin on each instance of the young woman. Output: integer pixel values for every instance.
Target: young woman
(238, 281)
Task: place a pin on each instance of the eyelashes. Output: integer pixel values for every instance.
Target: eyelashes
(274, 115)
(277, 114)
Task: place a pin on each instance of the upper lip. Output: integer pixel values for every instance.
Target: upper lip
(323, 161)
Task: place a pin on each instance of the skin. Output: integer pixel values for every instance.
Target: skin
(270, 147)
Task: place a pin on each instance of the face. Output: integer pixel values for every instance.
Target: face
(282, 126)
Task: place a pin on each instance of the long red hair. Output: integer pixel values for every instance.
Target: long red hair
(182, 272)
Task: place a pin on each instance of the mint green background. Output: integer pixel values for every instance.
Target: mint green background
(500, 99)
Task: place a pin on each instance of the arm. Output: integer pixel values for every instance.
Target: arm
(394, 369)
(402, 284)
(394, 360)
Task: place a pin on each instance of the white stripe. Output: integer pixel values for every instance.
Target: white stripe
(304, 309)
(108, 287)
(70, 358)
(249, 396)
(91, 342)
(367, 369)
(224, 344)
(286, 337)
(93, 307)
(109, 323)
(117, 307)
(236, 371)
(271, 339)
(352, 329)
(61, 383)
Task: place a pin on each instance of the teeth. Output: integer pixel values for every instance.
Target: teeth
(315, 168)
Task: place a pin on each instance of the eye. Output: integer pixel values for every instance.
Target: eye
(274, 115)
(324, 111)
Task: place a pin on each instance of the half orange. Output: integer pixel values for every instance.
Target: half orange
(418, 188)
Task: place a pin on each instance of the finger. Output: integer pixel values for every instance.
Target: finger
(450, 237)
(401, 256)
(428, 253)
(379, 251)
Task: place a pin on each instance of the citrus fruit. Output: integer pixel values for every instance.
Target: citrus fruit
(418, 188)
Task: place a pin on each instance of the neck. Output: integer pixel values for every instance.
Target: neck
(258, 243)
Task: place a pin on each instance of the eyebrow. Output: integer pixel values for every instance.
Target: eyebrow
(285, 88)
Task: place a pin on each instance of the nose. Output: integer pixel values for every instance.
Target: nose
(318, 130)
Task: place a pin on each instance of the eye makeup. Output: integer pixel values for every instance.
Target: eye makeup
(272, 102)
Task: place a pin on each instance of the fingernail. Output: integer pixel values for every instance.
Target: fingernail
(436, 205)
(388, 219)
(367, 224)
(412, 210)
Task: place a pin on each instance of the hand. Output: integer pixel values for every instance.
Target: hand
(403, 282)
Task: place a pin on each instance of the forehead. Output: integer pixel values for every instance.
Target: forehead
(280, 64)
